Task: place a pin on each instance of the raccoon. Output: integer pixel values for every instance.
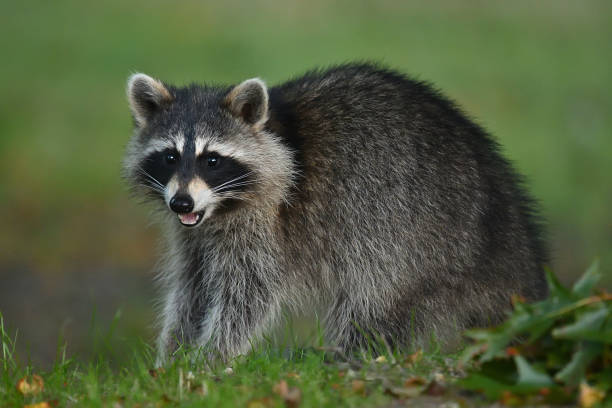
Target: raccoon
(354, 188)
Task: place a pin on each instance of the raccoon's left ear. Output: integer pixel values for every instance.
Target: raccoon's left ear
(146, 96)
(249, 101)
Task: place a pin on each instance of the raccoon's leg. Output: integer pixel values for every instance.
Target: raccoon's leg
(182, 313)
(437, 319)
(359, 324)
(346, 323)
(241, 312)
(169, 325)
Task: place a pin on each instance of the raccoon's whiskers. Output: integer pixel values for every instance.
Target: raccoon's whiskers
(150, 177)
(240, 184)
(233, 195)
(216, 188)
(154, 188)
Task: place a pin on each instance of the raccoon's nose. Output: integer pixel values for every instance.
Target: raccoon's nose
(181, 203)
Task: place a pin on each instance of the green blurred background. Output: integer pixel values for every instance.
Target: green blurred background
(74, 248)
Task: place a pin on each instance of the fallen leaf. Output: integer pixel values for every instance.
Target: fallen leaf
(43, 404)
(435, 389)
(350, 373)
(294, 397)
(415, 381)
(358, 387)
(517, 299)
(512, 351)
(509, 399)
(119, 402)
(243, 389)
(589, 396)
(544, 391)
(291, 395)
(293, 375)
(414, 357)
(381, 359)
(166, 399)
(34, 386)
(203, 389)
(404, 392)
(261, 403)
(281, 388)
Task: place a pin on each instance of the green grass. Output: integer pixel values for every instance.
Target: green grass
(554, 351)
(315, 377)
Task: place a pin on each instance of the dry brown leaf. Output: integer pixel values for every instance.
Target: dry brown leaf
(358, 387)
(435, 389)
(243, 389)
(516, 299)
(281, 388)
(415, 381)
(404, 392)
(544, 391)
(293, 398)
(119, 401)
(166, 399)
(413, 387)
(264, 402)
(43, 404)
(381, 359)
(293, 375)
(414, 357)
(510, 399)
(512, 351)
(32, 386)
(589, 396)
(202, 389)
(291, 395)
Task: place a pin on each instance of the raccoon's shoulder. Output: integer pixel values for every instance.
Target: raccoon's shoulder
(351, 89)
(323, 101)
(341, 82)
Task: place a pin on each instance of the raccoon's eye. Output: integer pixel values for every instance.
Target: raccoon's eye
(171, 158)
(212, 160)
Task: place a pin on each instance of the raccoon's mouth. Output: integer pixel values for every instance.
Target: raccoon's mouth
(190, 219)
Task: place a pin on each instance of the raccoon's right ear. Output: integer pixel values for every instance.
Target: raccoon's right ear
(146, 96)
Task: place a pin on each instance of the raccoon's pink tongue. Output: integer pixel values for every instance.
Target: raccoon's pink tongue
(189, 219)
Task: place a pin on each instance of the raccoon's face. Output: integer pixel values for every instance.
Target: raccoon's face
(202, 151)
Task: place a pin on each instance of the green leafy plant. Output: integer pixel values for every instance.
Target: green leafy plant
(552, 351)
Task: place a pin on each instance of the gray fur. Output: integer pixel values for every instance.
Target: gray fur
(373, 196)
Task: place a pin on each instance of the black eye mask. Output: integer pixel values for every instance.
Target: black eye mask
(223, 173)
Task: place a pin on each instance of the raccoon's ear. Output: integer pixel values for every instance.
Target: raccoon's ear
(146, 96)
(249, 101)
